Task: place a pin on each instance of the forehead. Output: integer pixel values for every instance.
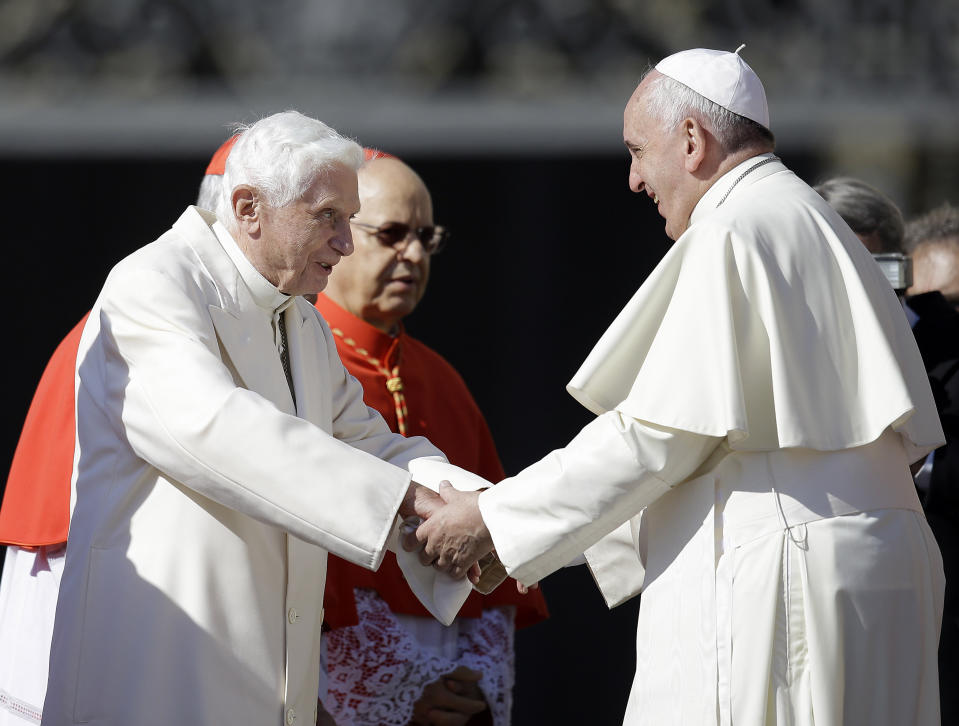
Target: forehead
(334, 187)
(637, 122)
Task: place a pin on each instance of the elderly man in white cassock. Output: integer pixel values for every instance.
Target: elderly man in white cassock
(759, 402)
(222, 450)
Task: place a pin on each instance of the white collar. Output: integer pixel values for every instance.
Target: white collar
(717, 192)
(264, 292)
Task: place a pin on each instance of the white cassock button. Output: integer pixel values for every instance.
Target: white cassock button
(292, 616)
(290, 716)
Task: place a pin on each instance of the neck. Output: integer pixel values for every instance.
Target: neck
(733, 160)
(717, 163)
(249, 249)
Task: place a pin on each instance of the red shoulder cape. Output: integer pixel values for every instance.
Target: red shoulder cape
(36, 501)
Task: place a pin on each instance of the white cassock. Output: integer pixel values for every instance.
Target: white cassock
(205, 501)
(758, 403)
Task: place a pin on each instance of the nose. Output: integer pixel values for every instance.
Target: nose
(412, 249)
(343, 241)
(634, 179)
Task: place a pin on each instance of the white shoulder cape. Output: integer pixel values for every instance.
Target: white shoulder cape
(769, 323)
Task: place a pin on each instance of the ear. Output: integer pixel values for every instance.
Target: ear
(694, 144)
(246, 208)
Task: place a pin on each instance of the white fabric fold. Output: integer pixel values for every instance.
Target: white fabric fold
(617, 564)
(807, 344)
(439, 593)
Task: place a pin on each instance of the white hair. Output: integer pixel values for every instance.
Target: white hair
(210, 187)
(671, 101)
(280, 156)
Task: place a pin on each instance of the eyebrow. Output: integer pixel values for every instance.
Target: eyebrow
(337, 204)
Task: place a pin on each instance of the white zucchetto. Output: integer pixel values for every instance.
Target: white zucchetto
(722, 77)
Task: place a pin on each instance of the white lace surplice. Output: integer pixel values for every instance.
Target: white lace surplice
(376, 670)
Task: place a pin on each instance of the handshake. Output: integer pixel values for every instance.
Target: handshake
(447, 532)
(443, 526)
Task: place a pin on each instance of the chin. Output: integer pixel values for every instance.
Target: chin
(674, 234)
(399, 310)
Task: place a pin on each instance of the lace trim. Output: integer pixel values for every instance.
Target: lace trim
(376, 671)
(486, 645)
(19, 708)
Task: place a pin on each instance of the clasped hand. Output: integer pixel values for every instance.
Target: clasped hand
(452, 537)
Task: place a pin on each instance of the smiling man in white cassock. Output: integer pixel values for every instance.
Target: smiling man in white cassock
(759, 402)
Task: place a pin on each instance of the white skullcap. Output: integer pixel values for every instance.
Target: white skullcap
(722, 77)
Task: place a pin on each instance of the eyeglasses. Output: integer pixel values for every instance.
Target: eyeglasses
(392, 234)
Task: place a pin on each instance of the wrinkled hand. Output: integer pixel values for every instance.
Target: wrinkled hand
(453, 536)
(451, 700)
(420, 501)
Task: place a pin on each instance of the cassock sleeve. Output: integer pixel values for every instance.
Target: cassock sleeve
(616, 562)
(565, 503)
(155, 361)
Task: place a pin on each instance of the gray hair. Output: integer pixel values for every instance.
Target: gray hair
(671, 101)
(866, 210)
(280, 156)
(939, 225)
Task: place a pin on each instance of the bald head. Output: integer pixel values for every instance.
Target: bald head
(381, 282)
(387, 178)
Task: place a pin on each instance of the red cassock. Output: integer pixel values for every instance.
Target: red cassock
(438, 406)
(36, 502)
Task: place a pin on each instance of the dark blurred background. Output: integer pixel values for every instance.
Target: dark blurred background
(512, 113)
